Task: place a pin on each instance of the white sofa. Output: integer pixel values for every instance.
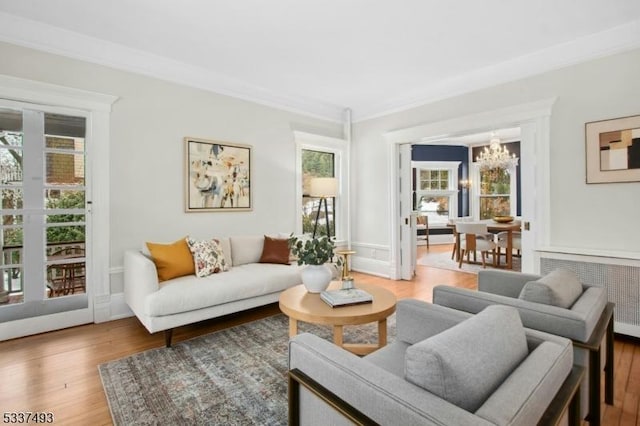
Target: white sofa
(161, 306)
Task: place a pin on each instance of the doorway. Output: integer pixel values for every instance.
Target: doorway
(533, 120)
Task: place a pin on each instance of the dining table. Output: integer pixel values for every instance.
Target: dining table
(494, 227)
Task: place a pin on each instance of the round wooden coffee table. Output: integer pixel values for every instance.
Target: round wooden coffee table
(300, 305)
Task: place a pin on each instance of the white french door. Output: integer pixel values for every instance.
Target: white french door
(408, 220)
(46, 218)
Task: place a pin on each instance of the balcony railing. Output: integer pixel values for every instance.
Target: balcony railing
(12, 279)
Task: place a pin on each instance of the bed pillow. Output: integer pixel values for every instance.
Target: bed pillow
(466, 363)
(208, 257)
(559, 287)
(172, 260)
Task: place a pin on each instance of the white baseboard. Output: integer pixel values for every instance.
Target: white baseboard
(375, 267)
(119, 308)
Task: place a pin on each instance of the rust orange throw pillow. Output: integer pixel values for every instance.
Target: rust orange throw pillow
(275, 250)
(172, 260)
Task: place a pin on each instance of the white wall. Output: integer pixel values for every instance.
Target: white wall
(148, 124)
(602, 217)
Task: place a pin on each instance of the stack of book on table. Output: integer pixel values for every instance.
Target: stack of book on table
(352, 296)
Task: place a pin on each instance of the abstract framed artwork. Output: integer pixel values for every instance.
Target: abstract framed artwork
(613, 150)
(218, 176)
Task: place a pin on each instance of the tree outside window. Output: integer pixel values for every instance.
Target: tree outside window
(495, 193)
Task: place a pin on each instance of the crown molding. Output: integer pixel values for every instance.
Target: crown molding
(615, 40)
(37, 35)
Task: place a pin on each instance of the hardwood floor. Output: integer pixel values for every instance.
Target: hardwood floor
(57, 372)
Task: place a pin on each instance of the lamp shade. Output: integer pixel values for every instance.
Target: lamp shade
(323, 187)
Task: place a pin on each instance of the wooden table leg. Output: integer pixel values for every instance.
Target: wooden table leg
(382, 333)
(457, 246)
(293, 327)
(509, 249)
(337, 335)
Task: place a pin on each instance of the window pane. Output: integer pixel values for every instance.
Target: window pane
(316, 164)
(494, 206)
(63, 199)
(65, 169)
(436, 208)
(495, 182)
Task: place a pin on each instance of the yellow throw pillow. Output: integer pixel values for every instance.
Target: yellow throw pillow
(172, 260)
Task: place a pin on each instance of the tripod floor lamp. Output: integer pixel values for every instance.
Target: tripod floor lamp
(323, 188)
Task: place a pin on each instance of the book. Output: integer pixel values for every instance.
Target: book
(342, 297)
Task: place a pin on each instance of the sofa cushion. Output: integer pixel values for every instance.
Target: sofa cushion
(559, 287)
(246, 249)
(275, 250)
(466, 363)
(241, 282)
(208, 257)
(172, 260)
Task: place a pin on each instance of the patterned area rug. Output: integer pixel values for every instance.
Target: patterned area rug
(235, 376)
(443, 260)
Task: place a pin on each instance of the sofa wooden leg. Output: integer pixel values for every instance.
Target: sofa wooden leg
(168, 334)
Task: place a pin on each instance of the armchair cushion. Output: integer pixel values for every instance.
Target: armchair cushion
(560, 287)
(442, 364)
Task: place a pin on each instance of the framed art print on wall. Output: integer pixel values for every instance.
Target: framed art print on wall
(613, 150)
(218, 176)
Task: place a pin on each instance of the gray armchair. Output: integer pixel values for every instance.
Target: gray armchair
(587, 321)
(430, 375)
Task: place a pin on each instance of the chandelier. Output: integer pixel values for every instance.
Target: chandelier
(496, 156)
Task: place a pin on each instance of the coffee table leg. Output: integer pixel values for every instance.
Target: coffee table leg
(337, 335)
(382, 333)
(293, 327)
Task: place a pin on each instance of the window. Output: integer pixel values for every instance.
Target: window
(436, 192)
(495, 193)
(321, 156)
(317, 164)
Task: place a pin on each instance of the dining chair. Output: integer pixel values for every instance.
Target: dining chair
(477, 238)
(501, 242)
(422, 222)
(455, 233)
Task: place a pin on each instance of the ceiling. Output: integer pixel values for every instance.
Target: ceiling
(319, 57)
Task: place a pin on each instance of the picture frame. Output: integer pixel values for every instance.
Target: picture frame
(217, 176)
(613, 150)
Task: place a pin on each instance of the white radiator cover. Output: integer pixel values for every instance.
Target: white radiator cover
(620, 276)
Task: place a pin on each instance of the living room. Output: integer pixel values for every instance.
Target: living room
(154, 102)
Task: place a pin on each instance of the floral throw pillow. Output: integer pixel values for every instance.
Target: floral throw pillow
(208, 257)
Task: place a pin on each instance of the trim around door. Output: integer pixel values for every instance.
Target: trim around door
(533, 119)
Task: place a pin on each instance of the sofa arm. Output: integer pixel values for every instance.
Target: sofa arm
(417, 320)
(547, 318)
(504, 283)
(377, 393)
(140, 280)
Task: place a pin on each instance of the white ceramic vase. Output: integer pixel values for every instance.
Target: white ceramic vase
(316, 278)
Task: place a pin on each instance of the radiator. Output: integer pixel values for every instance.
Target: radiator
(620, 277)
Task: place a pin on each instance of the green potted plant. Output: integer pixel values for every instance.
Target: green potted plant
(315, 253)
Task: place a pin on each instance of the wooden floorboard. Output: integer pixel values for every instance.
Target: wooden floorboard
(58, 371)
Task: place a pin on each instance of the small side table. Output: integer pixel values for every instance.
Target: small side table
(347, 280)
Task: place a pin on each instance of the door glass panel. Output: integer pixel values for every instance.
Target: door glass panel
(65, 168)
(11, 236)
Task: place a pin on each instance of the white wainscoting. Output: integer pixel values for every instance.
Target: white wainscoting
(371, 259)
(618, 273)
